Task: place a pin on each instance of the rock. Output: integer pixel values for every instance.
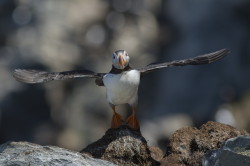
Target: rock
(235, 151)
(188, 145)
(156, 153)
(24, 153)
(212, 134)
(123, 146)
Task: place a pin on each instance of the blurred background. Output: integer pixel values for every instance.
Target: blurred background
(64, 35)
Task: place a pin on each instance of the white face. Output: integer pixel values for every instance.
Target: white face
(120, 59)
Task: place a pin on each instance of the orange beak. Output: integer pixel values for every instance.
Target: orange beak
(121, 61)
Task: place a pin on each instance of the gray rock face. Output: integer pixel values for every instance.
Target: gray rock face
(235, 151)
(24, 153)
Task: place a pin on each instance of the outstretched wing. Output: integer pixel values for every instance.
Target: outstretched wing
(35, 76)
(199, 60)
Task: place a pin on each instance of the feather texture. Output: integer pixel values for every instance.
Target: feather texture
(199, 60)
(35, 76)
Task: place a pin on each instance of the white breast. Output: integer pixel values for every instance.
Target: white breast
(122, 88)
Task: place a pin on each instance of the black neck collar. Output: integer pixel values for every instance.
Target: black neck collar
(118, 71)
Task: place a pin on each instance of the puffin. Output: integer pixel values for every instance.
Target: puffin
(121, 82)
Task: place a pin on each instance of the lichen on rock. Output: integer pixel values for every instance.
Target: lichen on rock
(188, 145)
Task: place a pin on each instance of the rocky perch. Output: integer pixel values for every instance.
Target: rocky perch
(123, 146)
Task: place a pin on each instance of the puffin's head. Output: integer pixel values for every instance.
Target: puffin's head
(120, 59)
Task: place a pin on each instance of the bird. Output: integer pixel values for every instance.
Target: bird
(121, 82)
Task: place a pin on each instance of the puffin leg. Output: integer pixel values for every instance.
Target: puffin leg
(116, 119)
(132, 120)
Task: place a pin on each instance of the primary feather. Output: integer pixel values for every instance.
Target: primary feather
(35, 76)
(199, 60)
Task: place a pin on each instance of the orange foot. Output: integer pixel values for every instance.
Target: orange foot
(133, 123)
(116, 120)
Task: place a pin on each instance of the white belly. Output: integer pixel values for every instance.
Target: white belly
(122, 88)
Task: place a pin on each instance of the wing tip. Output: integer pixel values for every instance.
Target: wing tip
(27, 76)
(226, 51)
(214, 56)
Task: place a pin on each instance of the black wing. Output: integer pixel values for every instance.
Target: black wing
(35, 76)
(199, 60)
